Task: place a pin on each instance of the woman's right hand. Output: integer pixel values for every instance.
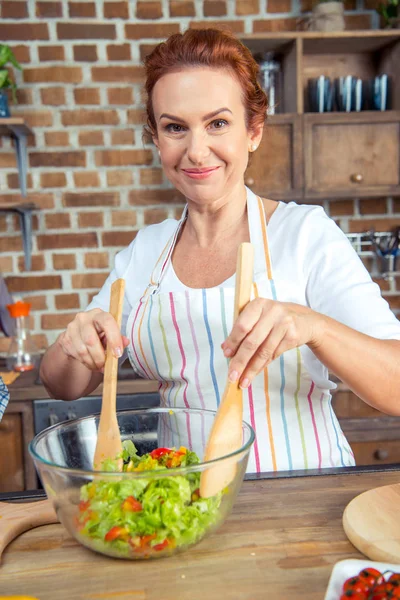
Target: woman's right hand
(86, 338)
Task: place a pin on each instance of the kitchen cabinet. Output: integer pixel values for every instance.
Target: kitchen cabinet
(308, 156)
(17, 471)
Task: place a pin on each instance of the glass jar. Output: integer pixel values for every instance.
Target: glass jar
(23, 355)
(271, 81)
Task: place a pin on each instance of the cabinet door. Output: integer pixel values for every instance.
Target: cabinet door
(275, 170)
(355, 154)
(17, 471)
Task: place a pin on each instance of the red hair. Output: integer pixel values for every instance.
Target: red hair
(208, 48)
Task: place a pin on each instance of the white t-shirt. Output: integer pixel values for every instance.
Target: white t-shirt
(312, 258)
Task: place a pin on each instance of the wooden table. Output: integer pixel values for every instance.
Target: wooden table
(280, 542)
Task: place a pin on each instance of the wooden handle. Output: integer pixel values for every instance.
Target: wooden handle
(15, 518)
(244, 277)
(108, 444)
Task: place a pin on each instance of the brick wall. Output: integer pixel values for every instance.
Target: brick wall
(95, 181)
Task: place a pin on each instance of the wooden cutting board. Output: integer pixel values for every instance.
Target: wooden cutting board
(371, 521)
(17, 518)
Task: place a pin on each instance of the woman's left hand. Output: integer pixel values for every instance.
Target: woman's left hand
(263, 331)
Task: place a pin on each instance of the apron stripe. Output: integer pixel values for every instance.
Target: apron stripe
(223, 316)
(210, 341)
(326, 429)
(197, 364)
(167, 353)
(133, 343)
(336, 433)
(283, 414)
(182, 373)
(309, 398)
(253, 424)
(152, 376)
(296, 398)
(264, 236)
(268, 405)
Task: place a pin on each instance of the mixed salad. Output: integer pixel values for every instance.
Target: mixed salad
(141, 517)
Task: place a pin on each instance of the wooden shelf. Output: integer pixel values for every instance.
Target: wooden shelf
(14, 126)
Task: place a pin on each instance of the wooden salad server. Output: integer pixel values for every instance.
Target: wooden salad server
(15, 518)
(109, 445)
(226, 434)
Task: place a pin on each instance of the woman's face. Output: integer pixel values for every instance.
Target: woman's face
(201, 132)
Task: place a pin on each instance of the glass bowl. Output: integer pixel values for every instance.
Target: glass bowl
(137, 514)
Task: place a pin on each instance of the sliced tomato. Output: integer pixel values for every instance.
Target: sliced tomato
(84, 505)
(116, 533)
(161, 546)
(131, 504)
(158, 452)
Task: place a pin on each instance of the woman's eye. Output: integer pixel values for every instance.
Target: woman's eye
(219, 123)
(174, 128)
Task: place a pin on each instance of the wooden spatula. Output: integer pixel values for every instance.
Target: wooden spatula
(15, 518)
(109, 444)
(226, 434)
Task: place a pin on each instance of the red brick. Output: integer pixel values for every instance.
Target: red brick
(67, 240)
(120, 95)
(64, 261)
(30, 284)
(58, 221)
(82, 9)
(341, 208)
(88, 280)
(182, 8)
(16, 224)
(119, 178)
(147, 9)
(154, 215)
(13, 10)
(136, 116)
(57, 159)
(145, 50)
(353, 22)
(234, 26)
(37, 302)
(119, 52)
(247, 7)
(146, 197)
(87, 96)
(3, 222)
(373, 206)
(120, 137)
(53, 180)
(43, 201)
(117, 238)
(10, 244)
(37, 118)
(89, 117)
(385, 224)
(58, 74)
(119, 74)
(85, 53)
(86, 179)
(7, 160)
(371, 4)
(56, 138)
(24, 96)
(274, 25)
(67, 301)
(91, 138)
(116, 10)
(121, 218)
(138, 31)
(57, 321)
(37, 263)
(22, 53)
(53, 96)
(13, 181)
(152, 176)
(23, 31)
(279, 6)
(51, 53)
(75, 199)
(81, 31)
(214, 8)
(91, 219)
(6, 264)
(96, 260)
(120, 158)
(49, 10)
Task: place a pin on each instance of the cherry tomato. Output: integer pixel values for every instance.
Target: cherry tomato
(117, 533)
(353, 595)
(379, 592)
(158, 452)
(357, 585)
(371, 576)
(131, 504)
(161, 546)
(394, 579)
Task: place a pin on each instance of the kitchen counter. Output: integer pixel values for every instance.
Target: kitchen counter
(280, 542)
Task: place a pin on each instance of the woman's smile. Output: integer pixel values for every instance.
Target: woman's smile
(200, 173)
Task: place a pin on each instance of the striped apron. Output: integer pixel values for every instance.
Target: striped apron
(175, 338)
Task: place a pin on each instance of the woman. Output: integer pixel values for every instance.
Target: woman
(314, 308)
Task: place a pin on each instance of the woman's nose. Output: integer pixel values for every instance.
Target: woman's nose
(198, 149)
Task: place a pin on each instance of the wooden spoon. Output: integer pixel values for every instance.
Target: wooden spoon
(15, 518)
(109, 445)
(226, 434)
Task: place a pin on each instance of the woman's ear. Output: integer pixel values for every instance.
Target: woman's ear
(255, 137)
(155, 141)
